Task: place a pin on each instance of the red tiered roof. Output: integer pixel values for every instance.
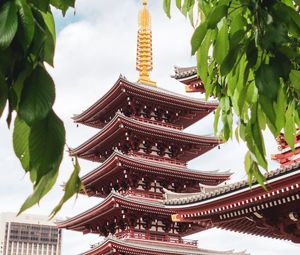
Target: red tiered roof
(125, 132)
(124, 94)
(119, 167)
(126, 211)
(189, 77)
(238, 207)
(138, 246)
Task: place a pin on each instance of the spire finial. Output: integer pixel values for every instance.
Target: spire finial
(144, 62)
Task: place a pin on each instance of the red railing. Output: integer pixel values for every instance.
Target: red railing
(168, 239)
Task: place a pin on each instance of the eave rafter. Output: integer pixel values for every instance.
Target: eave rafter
(123, 131)
(117, 98)
(274, 213)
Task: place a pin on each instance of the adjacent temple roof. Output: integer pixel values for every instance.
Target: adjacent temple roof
(189, 77)
(147, 247)
(123, 89)
(185, 72)
(237, 207)
(212, 193)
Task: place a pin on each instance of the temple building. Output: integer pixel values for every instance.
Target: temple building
(286, 155)
(143, 151)
(274, 213)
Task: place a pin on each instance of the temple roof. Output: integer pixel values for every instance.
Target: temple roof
(223, 191)
(130, 246)
(120, 124)
(113, 202)
(159, 96)
(239, 208)
(117, 161)
(185, 72)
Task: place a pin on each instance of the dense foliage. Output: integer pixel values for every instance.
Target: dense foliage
(27, 42)
(248, 57)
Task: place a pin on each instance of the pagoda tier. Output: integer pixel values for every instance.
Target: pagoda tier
(239, 208)
(146, 103)
(286, 155)
(138, 246)
(145, 140)
(189, 77)
(130, 215)
(128, 174)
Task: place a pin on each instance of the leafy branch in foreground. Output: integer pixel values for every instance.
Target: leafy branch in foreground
(248, 57)
(27, 42)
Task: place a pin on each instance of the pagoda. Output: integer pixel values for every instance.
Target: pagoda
(143, 151)
(274, 213)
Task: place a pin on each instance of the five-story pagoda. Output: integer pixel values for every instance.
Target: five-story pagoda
(143, 150)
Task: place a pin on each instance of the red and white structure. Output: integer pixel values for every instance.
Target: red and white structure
(189, 77)
(237, 207)
(143, 151)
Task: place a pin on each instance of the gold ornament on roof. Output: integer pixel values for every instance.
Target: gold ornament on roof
(144, 62)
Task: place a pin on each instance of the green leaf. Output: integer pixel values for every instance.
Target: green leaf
(178, 4)
(46, 144)
(72, 187)
(222, 44)
(236, 133)
(267, 81)
(63, 5)
(238, 23)
(37, 96)
(167, 7)
(289, 128)
(40, 190)
(27, 23)
(187, 5)
(258, 176)
(280, 108)
(248, 162)
(202, 58)
(251, 93)
(3, 94)
(259, 144)
(49, 46)
(295, 79)
(21, 142)
(216, 15)
(225, 103)
(282, 65)
(18, 85)
(216, 120)
(252, 53)
(42, 5)
(8, 23)
(230, 60)
(198, 37)
(268, 108)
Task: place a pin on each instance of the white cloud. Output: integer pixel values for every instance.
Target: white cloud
(96, 46)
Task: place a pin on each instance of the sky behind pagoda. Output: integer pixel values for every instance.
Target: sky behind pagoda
(93, 48)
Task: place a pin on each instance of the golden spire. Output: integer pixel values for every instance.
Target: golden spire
(144, 46)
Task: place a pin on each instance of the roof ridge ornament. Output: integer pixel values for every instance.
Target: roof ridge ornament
(144, 60)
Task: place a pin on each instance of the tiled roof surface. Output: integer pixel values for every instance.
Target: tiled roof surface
(156, 164)
(184, 72)
(211, 192)
(161, 247)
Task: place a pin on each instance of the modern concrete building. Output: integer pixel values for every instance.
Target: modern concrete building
(28, 235)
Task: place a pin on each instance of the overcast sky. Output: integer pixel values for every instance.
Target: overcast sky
(94, 46)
